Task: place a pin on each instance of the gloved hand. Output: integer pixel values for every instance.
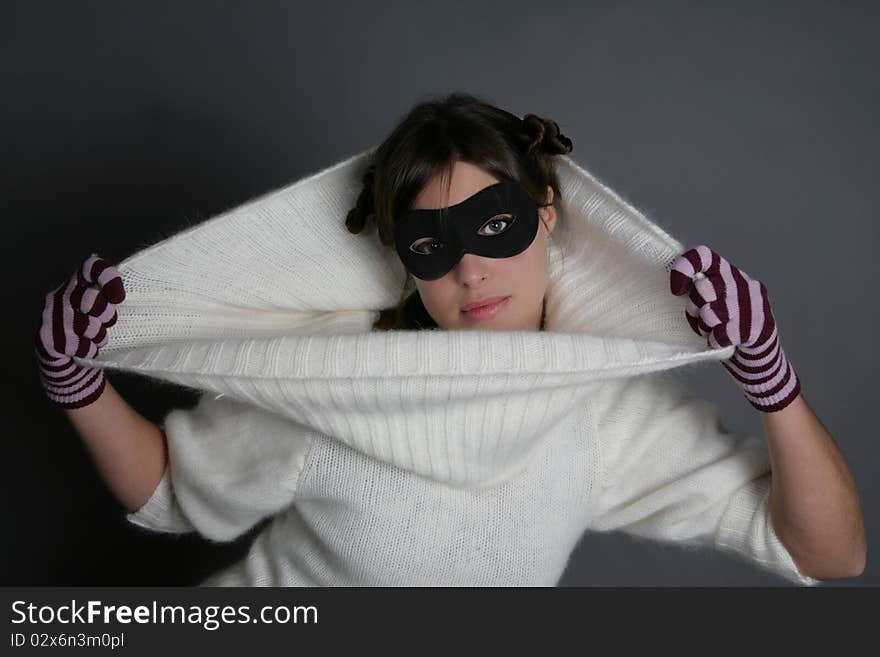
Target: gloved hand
(732, 308)
(75, 320)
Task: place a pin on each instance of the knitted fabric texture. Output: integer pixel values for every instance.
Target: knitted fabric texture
(367, 447)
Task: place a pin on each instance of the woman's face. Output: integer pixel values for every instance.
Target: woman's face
(521, 279)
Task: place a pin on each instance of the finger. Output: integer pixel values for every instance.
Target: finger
(110, 322)
(692, 314)
(86, 349)
(101, 340)
(701, 294)
(710, 316)
(710, 260)
(88, 300)
(682, 272)
(88, 327)
(98, 271)
(720, 335)
(704, 323)
(93, 302)
(693, 261)
(705, 290)
(715, 311)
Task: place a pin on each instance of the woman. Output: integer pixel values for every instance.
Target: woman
(430, 155)
(500, 492)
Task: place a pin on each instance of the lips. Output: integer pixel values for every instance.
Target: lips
(486, 312)
(481, 302)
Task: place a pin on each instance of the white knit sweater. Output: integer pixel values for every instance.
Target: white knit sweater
(429, 457)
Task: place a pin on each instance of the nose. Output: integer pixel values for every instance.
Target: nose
(471, 269)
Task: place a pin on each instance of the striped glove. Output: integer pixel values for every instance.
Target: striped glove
(76, 317)
(730, 307)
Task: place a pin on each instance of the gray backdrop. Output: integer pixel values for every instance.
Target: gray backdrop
(748, 128)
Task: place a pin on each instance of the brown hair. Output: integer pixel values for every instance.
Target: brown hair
(431, 137)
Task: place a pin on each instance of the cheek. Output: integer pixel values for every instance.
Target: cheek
(436, 295)
(531, 264)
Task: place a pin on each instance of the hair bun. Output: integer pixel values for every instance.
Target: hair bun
(542, 135)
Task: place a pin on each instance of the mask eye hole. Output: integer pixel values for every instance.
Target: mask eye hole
(504, 219)
(426, 246)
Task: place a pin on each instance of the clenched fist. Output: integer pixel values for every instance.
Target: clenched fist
(75, 320)
(729, 307)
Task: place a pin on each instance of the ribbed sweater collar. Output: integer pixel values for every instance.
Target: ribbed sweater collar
(272, 303)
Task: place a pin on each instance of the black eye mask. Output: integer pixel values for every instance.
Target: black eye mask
(496, 222)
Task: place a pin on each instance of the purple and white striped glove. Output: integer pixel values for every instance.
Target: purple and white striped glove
(76, 317)
(731, 308)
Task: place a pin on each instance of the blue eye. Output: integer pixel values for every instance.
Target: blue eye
(431, 243)
(506, 219)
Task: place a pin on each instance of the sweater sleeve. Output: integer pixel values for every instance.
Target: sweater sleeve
(230, 464)
(670, 471)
